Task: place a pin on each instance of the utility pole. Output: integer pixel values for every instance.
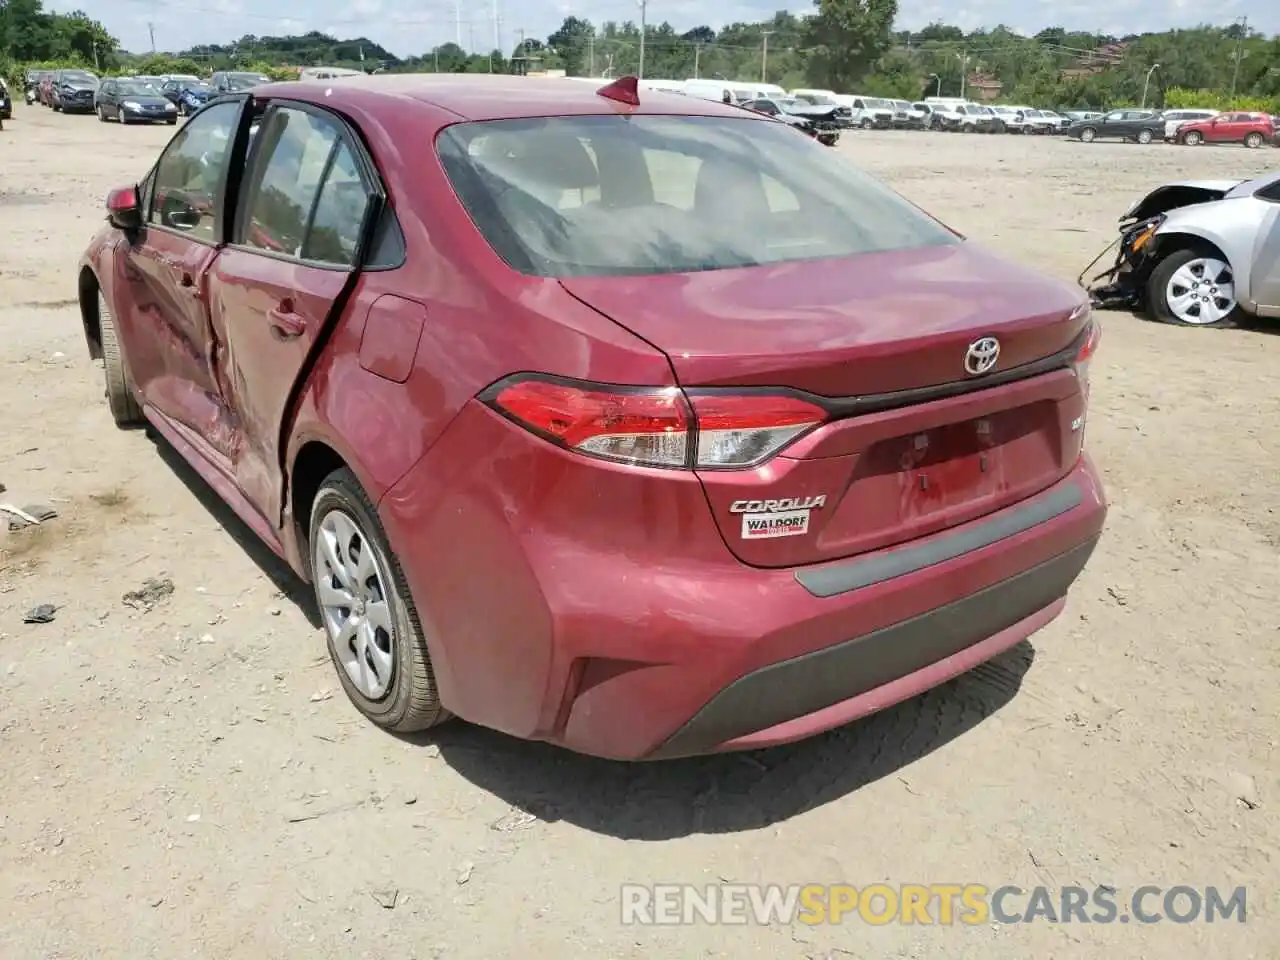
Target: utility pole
(764, 55)
(524, 64)
(457, 22)
(591, 54)
(644, 12)
(96, 66)
(1147, 82)
(151, 29)
(497, 37)
(1235, 74)
(964, 68)
(697, 55)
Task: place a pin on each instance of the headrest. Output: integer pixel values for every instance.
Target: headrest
(539, 158)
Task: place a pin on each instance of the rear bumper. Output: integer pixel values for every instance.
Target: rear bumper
(618, 624)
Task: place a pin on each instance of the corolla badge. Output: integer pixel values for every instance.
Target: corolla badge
(981, 356)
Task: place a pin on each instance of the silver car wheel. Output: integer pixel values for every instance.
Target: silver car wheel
(1201, 291)
(351, 586)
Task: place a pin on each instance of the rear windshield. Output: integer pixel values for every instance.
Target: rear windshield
(610, 195)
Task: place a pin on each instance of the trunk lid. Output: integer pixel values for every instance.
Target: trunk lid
(857, 333)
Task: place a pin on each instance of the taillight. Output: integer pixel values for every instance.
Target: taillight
(658, 426)
(1080, 364)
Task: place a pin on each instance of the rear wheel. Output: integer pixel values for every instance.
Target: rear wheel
(1253, 140)
(120, 398)
(1144, 136)
(1193, 287)
(375, 637)
(1088, 134)
(102, 113)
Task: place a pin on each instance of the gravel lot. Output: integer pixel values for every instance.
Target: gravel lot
(190, 782)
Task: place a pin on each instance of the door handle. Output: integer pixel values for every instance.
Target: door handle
(285, 324)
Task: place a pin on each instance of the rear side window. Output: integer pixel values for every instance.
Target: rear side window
(610, 195)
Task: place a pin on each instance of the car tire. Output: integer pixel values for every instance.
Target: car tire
(171, 121)
(1145, 137)
(1088, 135)
(1253, 140)
(343, 512)
(102, 114)
(57, 108)
(1193, 139)
(1157, 302)
(121, 400)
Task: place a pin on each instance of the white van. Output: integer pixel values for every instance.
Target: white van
(739, 92)
(327, 73)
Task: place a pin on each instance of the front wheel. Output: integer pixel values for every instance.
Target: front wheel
(375, 637)
(1194, 288)
(102, 113)
(1144, 136)
(1253, 140)
(120, 397)
(1088, 134)
(1193, 139)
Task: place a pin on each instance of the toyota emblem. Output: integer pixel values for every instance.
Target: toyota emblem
(981, 356)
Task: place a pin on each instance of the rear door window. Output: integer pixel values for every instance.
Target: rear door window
(305, 196)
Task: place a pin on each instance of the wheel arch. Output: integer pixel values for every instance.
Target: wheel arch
(314, 460)
(87, 287)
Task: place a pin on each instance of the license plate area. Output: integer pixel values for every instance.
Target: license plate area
(910, 485)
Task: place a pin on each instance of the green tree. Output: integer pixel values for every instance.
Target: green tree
(847, 37)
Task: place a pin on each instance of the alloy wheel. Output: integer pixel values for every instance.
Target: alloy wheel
(1201, 291)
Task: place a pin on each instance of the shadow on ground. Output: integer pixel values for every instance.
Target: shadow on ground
(676, 798)
(276, 570)
(731, 792)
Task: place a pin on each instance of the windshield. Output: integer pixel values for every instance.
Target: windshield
(199, 86)
(612, 195)
(243, 81)
(137, 88)
(820, 99)
(78, 76)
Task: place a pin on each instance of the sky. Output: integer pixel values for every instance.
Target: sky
(407, 28)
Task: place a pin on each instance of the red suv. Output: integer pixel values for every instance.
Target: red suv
(648, 427)
(1251, 129)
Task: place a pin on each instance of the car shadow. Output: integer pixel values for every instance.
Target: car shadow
(277, 571)
(726, 793)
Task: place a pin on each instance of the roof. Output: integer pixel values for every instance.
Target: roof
(483, 96)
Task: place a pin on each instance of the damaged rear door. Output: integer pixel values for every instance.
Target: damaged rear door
(281, 282)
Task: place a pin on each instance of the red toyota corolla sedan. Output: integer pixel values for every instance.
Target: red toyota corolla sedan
(643, 425)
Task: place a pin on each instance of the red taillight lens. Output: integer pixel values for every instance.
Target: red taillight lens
(657, 426)
(630, 426)
(1087, 349)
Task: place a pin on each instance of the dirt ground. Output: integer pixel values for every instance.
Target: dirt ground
(189, 781)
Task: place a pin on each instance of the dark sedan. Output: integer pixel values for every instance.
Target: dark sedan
(1141, 126)
(133, 101)
(73, 91)
(233, 81)
(6, 102)
(187, 96)
(819, 122)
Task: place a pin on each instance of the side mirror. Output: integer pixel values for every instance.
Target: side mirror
(124, 211)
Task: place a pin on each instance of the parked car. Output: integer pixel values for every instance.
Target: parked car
(233, 81)
(843, 115)
(1201, 253)
(928, 118)
(1251, 129)
(130, 100)
(1174, 119)
(1141, 126)
(907, 116)
(72, 91)
(973, 118)
(819, 122)
(187, 96)
(6, 101)
(1059, 121)
(1040, 121)
(870, 112)
(538, 380)
(44, 93)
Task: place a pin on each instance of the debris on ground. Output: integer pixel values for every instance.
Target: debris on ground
(43, 613)
(153, 591)
(386, 899)
(464, 872)
(31, 515)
